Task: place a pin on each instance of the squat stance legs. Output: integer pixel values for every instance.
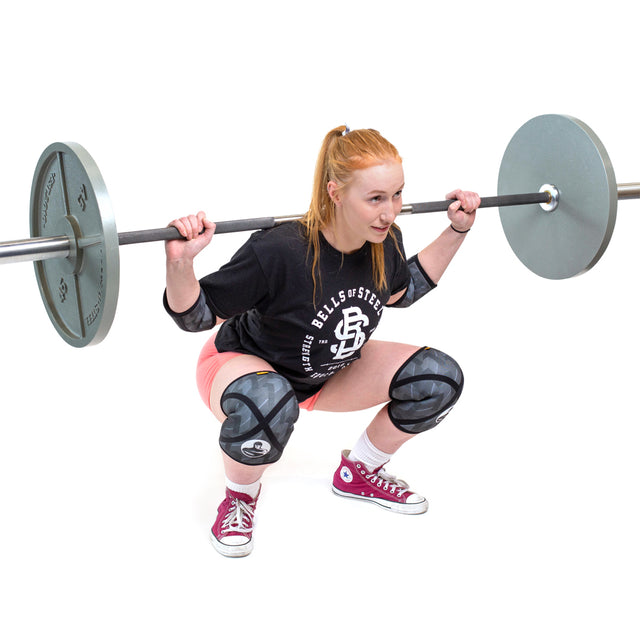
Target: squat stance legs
(418, 385)
(257, 409)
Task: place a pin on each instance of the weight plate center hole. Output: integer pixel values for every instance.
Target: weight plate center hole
(554, 197)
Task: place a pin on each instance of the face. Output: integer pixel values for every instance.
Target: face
(366, 209)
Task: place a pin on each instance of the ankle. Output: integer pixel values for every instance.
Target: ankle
(368, 454)
(251, 490)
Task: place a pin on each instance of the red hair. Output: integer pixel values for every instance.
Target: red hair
(342, 153)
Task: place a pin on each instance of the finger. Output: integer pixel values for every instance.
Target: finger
(179, 225)
(186, 226)
(473, 201)
(467, 202)
(205, 226)
(454, 206)
(470, 201)
(194, 227)
(209, 226)
(202, 217)
(454, 195)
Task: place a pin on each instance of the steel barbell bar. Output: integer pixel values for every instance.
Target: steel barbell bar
(557, 199)
(46, 248)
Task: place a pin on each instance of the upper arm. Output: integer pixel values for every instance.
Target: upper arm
(419, 285)
(199, 317)
(236, 287)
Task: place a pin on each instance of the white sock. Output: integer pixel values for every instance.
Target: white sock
(250, 489)
(370, 456)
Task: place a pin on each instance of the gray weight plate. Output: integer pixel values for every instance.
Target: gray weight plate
(69, 197)
(564, 152)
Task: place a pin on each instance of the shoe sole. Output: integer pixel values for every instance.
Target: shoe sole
(396, 507)
(231, 551)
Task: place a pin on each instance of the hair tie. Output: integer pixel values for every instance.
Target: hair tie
(346, 130)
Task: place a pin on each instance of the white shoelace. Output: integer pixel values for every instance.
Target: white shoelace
(238, 518)
(388, 482)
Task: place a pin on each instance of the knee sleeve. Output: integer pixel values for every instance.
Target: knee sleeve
(424, 390)
(261, 410)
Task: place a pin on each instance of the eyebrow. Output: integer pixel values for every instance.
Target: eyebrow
(377, 191)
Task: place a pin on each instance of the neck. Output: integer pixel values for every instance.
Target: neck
(340, 241)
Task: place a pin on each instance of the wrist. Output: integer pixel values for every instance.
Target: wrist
(461, 231)
(180, 264)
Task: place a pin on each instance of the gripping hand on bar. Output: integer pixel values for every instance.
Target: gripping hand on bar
(197, 229)
(462, 211)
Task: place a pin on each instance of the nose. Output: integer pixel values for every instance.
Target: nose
(389, 214)
(387, 220)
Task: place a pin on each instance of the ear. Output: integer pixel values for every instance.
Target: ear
(334, 192)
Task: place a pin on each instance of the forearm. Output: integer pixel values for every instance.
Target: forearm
(436, 257)
(183, 288)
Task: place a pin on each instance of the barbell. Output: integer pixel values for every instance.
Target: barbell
(557, 199)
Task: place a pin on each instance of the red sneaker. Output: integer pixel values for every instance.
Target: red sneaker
(232, 530)
(354, 480)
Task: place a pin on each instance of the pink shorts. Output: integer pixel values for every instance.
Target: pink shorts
(209, 364)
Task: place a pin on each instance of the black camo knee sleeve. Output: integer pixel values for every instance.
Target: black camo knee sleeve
(261, 410)
(424, 390)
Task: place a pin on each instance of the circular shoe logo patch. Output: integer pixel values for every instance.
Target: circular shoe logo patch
(346, 475)
(255, 448)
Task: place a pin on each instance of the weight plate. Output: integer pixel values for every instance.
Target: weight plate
(69, 197)
(561, 151)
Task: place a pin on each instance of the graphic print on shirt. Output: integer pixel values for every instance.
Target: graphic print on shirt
(339, 330)
(349, 332)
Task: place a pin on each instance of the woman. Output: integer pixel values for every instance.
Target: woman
(298, 304)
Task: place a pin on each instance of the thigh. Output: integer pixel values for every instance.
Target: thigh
(230, 371)
(365, 383)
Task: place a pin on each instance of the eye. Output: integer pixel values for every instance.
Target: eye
(398, 194)
(376, 199)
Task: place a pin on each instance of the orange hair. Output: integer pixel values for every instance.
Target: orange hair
(342, 153)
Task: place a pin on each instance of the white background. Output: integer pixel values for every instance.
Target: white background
(109, 465)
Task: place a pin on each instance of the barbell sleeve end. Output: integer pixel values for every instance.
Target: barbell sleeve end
(629, 191)
(34, 249)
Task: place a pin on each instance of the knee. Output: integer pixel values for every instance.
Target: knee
(261, 410)
(424, 390)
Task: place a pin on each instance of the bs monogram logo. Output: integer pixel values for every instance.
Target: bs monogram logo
(349, 332)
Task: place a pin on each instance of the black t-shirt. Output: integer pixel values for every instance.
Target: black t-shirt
(266, 291)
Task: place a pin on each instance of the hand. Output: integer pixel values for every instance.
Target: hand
(197, 232)
(462, 212)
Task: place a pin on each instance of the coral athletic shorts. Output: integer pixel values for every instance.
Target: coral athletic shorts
(209, 364)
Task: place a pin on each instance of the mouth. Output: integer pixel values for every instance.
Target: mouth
(381, 229)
